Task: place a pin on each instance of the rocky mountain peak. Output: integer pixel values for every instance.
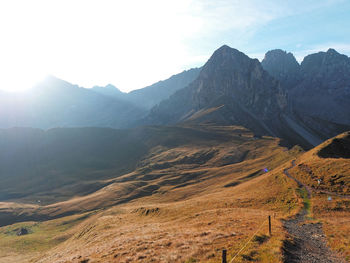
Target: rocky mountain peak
(322, 98)
(226, 60)
(282, 66)
(231, 89)
(286, 60)
(326, 70)
(231, 73)
(332, 51)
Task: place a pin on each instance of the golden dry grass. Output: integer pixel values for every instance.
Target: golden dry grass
(191, 230)
(335, 216)
(334, 173)
(196, 229)
(180, 206)
(335, 177)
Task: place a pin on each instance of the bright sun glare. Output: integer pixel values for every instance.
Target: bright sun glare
(93, 42)
(132, 44)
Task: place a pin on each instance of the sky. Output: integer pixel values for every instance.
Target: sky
(134, 43)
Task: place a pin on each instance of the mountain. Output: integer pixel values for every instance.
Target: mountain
(282, 66)
(318, 89)
(57, 103)
(179, 193)
(109, 90)
(233, 89)
(150, 96)
(324, 93)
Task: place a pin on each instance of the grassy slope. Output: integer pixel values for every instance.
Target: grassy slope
(66, 162)
(193, 229)
(335, 175)
(42, 236)
(186, 201)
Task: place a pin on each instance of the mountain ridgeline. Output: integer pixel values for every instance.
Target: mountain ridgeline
(301, 103)
(117, 171)
(318, 88)
(57, 103)
(150, 96)
(230, 89)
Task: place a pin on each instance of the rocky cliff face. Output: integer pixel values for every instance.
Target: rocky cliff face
(230, 89)
(282, 66)
(318, 89)
(233, 74)
(322, 98)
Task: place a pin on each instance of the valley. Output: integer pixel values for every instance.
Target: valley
(200, 190)
(182, 169)
(184, 201)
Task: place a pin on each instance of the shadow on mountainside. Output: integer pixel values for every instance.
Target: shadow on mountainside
(338, 148)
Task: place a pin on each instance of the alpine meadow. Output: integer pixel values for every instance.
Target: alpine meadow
(225, 136)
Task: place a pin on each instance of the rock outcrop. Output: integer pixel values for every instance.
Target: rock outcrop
(231, 89)
(282, 66)
(318, 89)
(322, 99)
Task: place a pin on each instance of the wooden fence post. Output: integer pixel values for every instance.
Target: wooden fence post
(270, 225)
(224, 256)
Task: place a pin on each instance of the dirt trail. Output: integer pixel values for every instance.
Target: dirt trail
(311, 189)
(307, 242)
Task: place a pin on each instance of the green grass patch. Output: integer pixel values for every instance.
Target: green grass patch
(41, 235)
(302, 192)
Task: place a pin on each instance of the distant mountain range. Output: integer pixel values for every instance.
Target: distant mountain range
(150, 96)
(301, 103)
(57, 103)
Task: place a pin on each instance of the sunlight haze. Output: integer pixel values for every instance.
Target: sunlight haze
(132, 44)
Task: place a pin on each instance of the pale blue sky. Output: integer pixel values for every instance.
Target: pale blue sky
(135, 43)
(299, 26)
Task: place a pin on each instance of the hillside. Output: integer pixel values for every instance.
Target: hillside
(199, 177)
(326, 171)
(63, 162)
(66, 163)
(58, 163)
(330, 163)
(190, 187)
